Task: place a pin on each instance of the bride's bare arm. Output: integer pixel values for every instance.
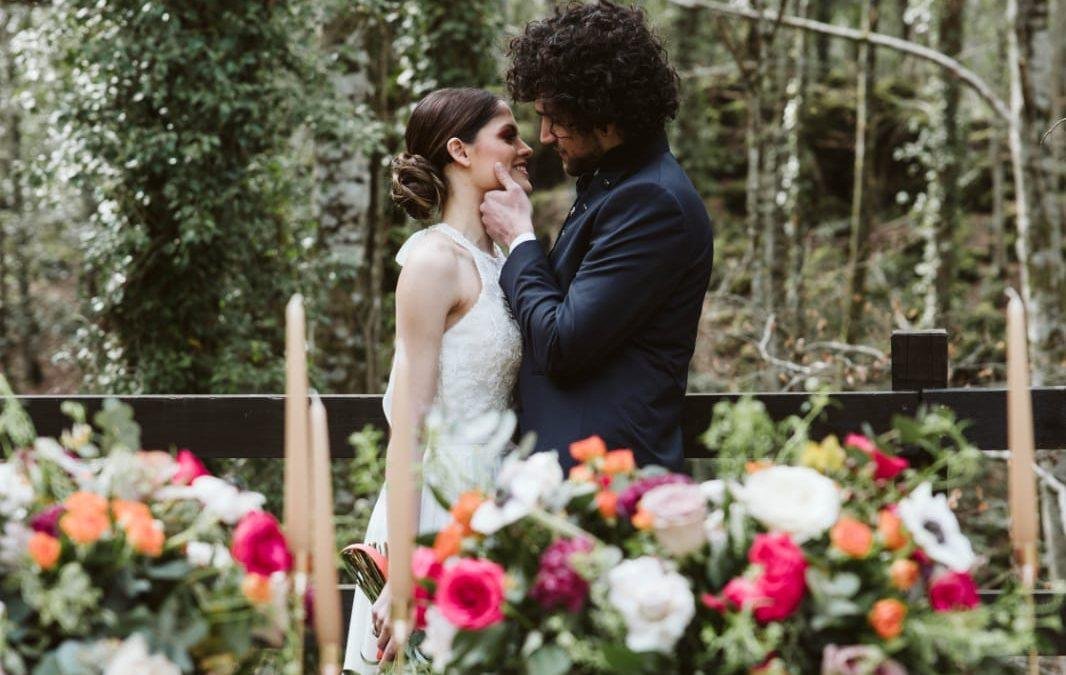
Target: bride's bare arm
(427, 292)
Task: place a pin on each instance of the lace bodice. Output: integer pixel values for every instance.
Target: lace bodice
(480, 354)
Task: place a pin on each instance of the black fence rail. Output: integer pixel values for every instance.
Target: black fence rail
(251, 426)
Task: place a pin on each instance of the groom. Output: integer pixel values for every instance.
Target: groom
(609, 315)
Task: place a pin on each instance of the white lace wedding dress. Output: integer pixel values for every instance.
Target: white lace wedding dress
(479, 360)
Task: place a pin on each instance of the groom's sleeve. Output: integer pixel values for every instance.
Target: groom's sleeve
(637, 251)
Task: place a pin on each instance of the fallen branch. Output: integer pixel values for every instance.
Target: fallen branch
(1054, 126)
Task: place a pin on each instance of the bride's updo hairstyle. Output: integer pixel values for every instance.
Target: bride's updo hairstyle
(418, 182)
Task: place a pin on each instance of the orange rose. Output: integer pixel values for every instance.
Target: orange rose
(127, 513)
(146, 537)
(583, 451)
(448, 541)
(890, 527)
(607, 503)
(44, 549)
(619, 461)
(464, 507)
(903, 573)
(580, 474)
(887, 616)
(84, 527)
(852, 537)
(642, 520)
(256, 587)
(86, 503)
(757, 465)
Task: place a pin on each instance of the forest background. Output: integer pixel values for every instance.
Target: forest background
(171, 172)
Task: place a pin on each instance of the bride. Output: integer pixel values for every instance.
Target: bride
(457, 348)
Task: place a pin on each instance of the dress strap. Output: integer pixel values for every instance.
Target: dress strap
(458, 238)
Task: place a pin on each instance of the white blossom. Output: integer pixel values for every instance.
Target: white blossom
(133, 658)
(793, 499)
(656, 603)
(935, 529)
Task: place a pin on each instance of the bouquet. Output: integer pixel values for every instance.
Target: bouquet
(120, 560)
(832, 556)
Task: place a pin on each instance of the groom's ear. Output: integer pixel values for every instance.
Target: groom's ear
(457, 150)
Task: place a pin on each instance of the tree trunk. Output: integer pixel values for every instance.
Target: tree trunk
(1040, 266)
(823, 11)
(950, 43)
(6, 171)
(861, 211)
(995, 151)
(792, 177)
(342, 202)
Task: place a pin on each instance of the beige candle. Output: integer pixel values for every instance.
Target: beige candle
(327, 605)
(297, 457)
(1022, 481)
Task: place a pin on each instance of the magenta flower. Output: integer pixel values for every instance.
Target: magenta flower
(47, 521)
(557, 583)
(631, 496)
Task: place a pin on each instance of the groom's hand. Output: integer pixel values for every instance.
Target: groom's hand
(506, 213)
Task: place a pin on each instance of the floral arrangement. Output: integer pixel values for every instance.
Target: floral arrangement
(839, 557)
(119, 560)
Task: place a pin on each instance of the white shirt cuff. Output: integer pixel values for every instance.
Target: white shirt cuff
(521, 239)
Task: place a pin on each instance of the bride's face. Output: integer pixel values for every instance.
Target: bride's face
(498, 141)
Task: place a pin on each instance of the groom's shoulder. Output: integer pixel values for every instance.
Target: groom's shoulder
(662, 183)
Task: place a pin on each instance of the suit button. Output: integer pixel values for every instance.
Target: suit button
(606, 182)
(584, 207)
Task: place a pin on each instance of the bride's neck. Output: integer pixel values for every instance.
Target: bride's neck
(462, 212)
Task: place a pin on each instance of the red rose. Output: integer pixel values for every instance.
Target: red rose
(953, 590)
(189, 468)
(778, 591)
(470, 594)
(259, 545)
(886, 467)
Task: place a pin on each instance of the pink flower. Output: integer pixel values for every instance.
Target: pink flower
(778, 590)
(426, 568)
(953, 591)
(189, 468)
(630, 497)
(470, 594)
(259, 545)
(711, 601)
(557, 584)
(858, 660)
(886, 467)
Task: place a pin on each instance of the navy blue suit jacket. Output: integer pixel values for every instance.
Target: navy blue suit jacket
(609, 316)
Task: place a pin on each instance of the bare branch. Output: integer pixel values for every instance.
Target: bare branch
(951, 65)
(1054, 126)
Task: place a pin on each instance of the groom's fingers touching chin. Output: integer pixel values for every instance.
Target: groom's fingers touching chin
(505, 177)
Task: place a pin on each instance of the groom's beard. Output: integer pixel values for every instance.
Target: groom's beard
(587, 162)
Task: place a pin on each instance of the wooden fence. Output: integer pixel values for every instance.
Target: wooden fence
(251, 426)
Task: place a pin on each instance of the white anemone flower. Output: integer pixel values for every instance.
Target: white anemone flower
(656, 603)
(523, 483)
(16, 493)
(220, 499)
(935, 529)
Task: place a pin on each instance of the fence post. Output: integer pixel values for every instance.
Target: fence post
(919, 359)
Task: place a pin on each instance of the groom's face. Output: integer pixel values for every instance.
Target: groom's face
(580, 152)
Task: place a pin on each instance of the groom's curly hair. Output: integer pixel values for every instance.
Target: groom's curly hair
(593, 65)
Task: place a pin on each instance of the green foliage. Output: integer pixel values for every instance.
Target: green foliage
(181, 115)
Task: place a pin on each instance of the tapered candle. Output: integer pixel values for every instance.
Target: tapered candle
(1022, 481)
(327, 603)
(400, 504)
(297, 457)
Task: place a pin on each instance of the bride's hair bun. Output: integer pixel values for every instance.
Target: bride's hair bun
(417, 186)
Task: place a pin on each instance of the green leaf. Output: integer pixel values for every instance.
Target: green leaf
(175, 569)
(549, 660)
(621, 659)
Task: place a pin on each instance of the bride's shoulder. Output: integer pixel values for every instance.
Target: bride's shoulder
(429, 256)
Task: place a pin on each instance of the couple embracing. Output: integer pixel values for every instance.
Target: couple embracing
(593, 337)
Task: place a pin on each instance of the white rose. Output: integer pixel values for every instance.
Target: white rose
(133, 658)
(793, 499)
(16, 493)
(935, 529)
(656, 603)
